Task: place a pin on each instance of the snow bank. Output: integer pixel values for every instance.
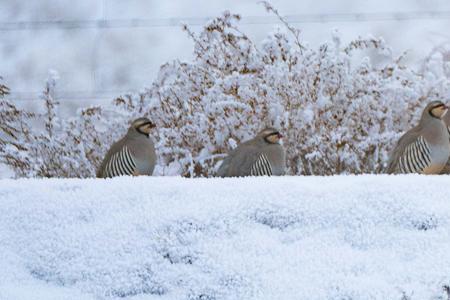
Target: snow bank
(345, 237)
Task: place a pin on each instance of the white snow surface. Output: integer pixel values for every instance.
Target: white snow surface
(343, 237)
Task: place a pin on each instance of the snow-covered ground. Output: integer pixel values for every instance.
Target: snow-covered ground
(343, 237)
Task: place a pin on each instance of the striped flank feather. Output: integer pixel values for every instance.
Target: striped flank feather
(261, 167)
(121, 163)
(415, 158)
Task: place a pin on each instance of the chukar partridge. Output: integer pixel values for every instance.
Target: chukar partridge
(425, 149)
(262, 155)
(134, 154)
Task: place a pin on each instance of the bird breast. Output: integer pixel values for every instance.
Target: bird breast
(439, 156)
(439, 151)
(144, 154)
(277, 158)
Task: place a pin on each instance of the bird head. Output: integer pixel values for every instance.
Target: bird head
(143, 125)
(436, 109)
(271, 135)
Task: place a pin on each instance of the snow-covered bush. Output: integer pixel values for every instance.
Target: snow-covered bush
(14, 130)
(341, 106)
(4, 90)
(42, 145)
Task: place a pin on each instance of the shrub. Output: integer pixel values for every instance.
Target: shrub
(341, 106)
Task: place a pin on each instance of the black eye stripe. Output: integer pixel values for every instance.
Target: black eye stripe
(438, 105)
(146, 123)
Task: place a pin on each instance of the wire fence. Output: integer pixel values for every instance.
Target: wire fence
(79, 96)
(248, 20)
(103, 23)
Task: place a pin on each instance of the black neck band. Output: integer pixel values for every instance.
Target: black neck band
(431, 114)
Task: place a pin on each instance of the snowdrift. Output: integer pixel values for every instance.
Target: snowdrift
(343, 237)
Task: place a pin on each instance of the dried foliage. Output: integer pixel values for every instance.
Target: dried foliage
(341, 107)
(4, 90)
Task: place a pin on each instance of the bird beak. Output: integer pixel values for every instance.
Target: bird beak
(280, 136)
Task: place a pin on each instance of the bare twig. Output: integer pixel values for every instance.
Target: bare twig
(295, 31)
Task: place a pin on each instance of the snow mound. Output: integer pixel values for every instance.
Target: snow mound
(343, 237)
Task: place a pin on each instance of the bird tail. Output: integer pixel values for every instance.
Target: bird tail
(99, 173)
(223, 169)
(392, 165)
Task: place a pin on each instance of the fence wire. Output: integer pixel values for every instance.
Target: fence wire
(104, 23)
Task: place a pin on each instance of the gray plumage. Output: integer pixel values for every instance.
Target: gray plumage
(134, 154)
(446, 119)
(260, 156)
(424, 149)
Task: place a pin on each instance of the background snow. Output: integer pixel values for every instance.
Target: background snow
(343, 237)
(102, 63)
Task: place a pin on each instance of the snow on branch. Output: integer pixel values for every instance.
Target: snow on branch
(341, 106)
